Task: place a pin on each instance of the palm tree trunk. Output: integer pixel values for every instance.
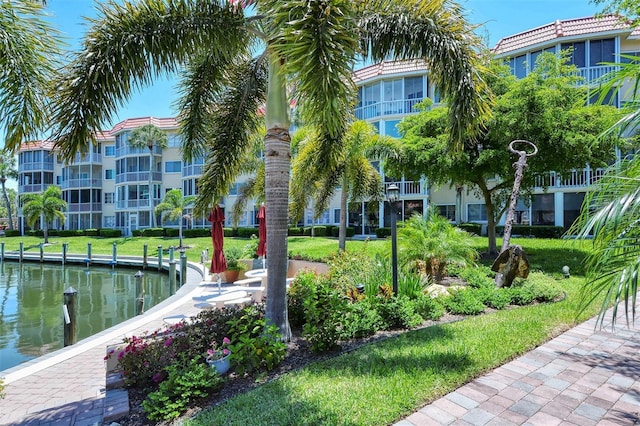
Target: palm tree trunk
(6, 201)
(342, 233)
(277, 165)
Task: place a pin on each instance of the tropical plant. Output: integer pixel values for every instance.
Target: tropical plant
(149, 136)
(351, 171)
(429, 244)
(7, 170)
(172, 208)
(28, 59)
(232, 255)
(227, 93)
(46, 206)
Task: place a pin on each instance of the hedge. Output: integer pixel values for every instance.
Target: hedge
(318, 231)
(172, 232)
(110, 233)
(537, 231)
(383, 232)
(296, 231)
(196, 232)
(472, 228)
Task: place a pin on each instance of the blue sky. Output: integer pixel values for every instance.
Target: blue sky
(498, 18)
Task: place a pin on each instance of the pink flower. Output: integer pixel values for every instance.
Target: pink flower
(226, 341)
(168, 342)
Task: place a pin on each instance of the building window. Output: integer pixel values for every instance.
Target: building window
(476, 213)
(109, 221)
(108, 174)
(174, 140)
(390, 128)
(578, 53)
(172, 167)
(543, 209)
(448, 211)
(336, 215)
(109, 197)
(601, 51)
(109, 151)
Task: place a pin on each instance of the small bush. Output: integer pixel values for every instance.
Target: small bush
(318, 231)
(185, 383)
(92, 232)
(172, 232)
(296, 231)
(246, 232)
(535, 231)
(383, 232)
(323, 316)
(196, 232)
(398, 312)
(542, 287)
(471, 228)
(250, 249)
(361, 319)
(301, 289)
(110, 233)
(428, 308)
(12, 233)
(464, 302)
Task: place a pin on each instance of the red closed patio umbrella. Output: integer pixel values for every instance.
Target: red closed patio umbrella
(218, 261)
(262, 234)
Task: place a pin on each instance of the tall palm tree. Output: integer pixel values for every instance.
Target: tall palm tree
(28, 53)
(172, 208)
(46, 206)
(351, 171)
(311, 45)
(149, 136)
(7, 170)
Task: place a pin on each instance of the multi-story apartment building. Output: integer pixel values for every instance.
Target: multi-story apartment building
(110, 186)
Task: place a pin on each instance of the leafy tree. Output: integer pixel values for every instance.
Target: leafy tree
(7, 170)
(546, 108)
(148, 136)
(49, 205)
(172, 208)
(28, 55)
(429, 244)
(227, 92)
(351, 171)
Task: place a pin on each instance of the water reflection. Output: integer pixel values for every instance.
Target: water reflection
(31, 299)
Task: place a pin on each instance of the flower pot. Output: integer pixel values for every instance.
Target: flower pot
(221, 365)
(231, 275)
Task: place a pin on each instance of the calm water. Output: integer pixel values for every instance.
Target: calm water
(31, 299)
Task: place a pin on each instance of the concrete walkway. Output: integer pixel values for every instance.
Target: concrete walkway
(582, 377)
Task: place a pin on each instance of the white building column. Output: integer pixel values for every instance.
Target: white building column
(558, 206)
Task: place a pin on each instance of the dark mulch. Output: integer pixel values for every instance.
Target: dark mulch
(298, 355)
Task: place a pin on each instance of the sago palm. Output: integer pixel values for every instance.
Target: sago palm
(240, 59)
(46, 206)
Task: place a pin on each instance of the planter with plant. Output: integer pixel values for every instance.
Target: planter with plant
(218, 356)
(234, 265)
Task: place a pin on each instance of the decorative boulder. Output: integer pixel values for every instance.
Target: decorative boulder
(509, 264)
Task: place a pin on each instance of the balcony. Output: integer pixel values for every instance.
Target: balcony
(128, 150)
(38, 187)
(81, 183)
(580, 178)
(592, 74)
(138, 177)
(407, 187)
(135, 204)
(403, 106)
(192, 170)
(37, 166)
(89, 158)
(83, 207)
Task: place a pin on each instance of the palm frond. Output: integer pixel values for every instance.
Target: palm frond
(436, 31)
(129, 44)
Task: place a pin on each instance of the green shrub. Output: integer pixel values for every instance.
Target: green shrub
(412, 285)
(542, 287)
(36, 233)
(361, 319)
(295, 231)
(318, 231)
(323, 316)
(196, 232)
(254, 345)
(428, 308)
(12, 233)
(383, 232)
(246, 232)
(172, 232)
(463, 302)
(398, 312)
(521, 295)
(477, 277)
(185, 383)
(348, 269)
(535, 231)
(250, 249)
(493, 297)
(110, 233)
(335, 232)
(230, 232)
(92, 232)
(471, 228)
(300, 289)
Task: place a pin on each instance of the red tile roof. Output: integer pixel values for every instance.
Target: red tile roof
(564, 29)
(133, 123)
(46, 145)
(389, 67)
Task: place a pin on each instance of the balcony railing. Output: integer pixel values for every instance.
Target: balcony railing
(591, 74)
(135, 204)
(128, 150)
(81, 183)
(84, 207)
(39, 187)
(91, 157)
(407, 187)
(38, 165)
(403, 106)
(138, 177)
(575, 179)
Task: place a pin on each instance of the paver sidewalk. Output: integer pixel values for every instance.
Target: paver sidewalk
(582, 377)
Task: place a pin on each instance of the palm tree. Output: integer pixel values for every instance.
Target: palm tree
(172, 208)
(47, 206)
(225, 89)
(28, 54)
(147, 136)
(7, 170)
(351, 171)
